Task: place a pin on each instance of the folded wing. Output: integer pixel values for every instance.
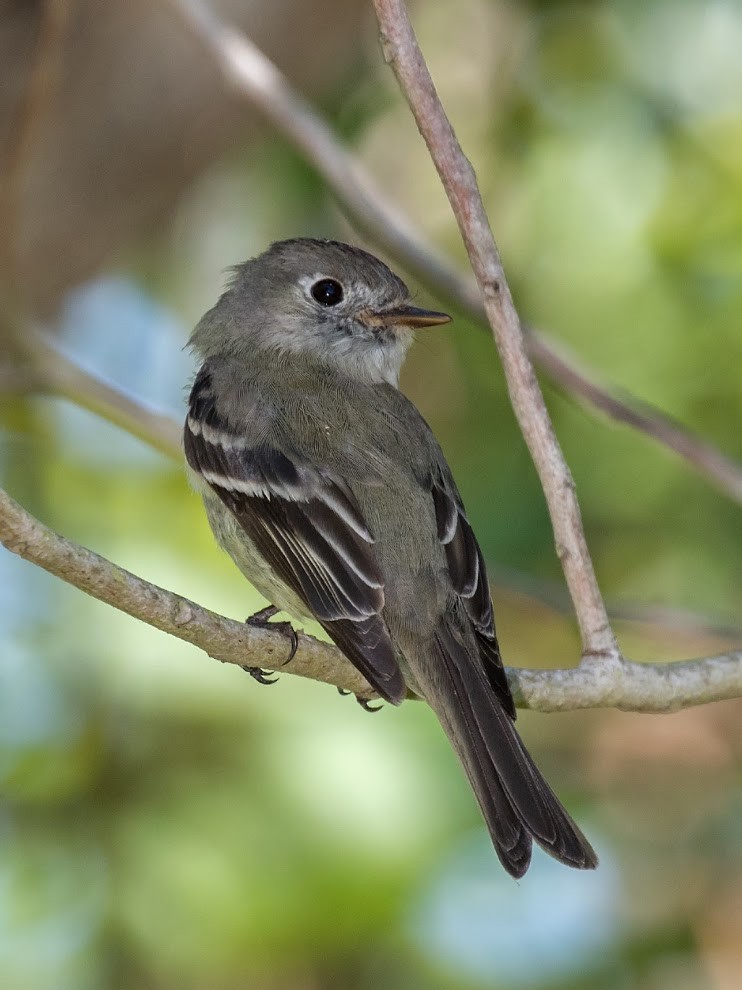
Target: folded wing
(307, 525)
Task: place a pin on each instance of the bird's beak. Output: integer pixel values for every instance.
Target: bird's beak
(406, 316)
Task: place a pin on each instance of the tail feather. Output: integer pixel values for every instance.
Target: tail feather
(511, 839)
(516, 801)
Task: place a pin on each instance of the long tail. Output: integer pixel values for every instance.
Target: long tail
(517, 803)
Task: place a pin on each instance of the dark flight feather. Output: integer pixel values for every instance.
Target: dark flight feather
(516, 801)
(308, 527)
(469, 580)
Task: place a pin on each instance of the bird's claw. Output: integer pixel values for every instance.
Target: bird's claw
(260, 675)
(261, 620)
(366, 705)
(288, 630)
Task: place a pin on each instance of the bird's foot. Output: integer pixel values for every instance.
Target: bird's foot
(260, 675)
(365, 703)
(261, 620)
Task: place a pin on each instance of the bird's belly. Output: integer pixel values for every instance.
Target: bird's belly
(232, 538)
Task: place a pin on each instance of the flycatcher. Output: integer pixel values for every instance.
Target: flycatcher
(329, 491)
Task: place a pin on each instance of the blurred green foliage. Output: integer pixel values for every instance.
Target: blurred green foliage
(167, 823)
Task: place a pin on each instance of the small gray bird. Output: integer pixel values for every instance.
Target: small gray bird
(329, 491)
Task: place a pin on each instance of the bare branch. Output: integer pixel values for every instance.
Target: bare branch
(403, 53)
(256, 78)
(59, 375)
(709, 462)
(680, 622)
(630, 686)
(224, 639)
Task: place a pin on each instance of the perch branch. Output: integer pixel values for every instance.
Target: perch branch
(223, 639)
(630, 686)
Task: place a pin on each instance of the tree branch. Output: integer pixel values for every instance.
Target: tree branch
(710, 463)
(403, 53)
(59, 375)
(630, 686)
(256, 78)
(223, 639)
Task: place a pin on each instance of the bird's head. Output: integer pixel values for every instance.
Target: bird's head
(321, 300)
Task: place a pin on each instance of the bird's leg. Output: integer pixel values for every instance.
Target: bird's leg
(261, 620)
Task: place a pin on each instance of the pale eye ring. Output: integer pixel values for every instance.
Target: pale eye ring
(327, 292)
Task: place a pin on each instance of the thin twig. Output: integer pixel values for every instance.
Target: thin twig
(706, 459)
(256, 78)
(630, 686)
(403, 53)
(674, 619)
(60, 376)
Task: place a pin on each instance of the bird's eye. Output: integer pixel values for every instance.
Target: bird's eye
(327, 292)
